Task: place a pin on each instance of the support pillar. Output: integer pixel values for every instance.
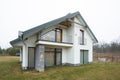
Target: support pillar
(25, 58)
(39, 58)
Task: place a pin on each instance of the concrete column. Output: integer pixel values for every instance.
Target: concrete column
(25, 57)
(39, 58)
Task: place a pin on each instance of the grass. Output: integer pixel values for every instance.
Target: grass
(10, 69)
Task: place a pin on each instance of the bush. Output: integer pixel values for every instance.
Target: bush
(12, 51)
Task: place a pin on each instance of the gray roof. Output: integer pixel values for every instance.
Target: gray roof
(35, 30)
(15, 41)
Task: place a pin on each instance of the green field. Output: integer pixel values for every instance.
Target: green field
(10, 70)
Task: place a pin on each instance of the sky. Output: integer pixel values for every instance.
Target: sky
(102, 16)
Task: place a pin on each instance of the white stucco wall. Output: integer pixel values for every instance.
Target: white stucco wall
(64, 35)
(70, 51)
(64, 55)
(30, 42)
(70, 33)
(78, 47)
(72, 55)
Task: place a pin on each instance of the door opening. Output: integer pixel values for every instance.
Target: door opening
(31, 57)
(84, 57)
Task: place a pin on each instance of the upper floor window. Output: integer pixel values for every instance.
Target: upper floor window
(58, 36)
(48, 36)
(53, 35)
(81, 37)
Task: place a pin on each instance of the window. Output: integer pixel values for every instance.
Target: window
(53, 56)
(58, 35)
(54, 35)
(81, 37)
(50, 36)
(84, 56)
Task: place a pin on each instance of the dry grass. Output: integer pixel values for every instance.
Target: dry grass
(8, 58)
(10, 70)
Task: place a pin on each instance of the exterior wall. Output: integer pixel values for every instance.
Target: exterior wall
(70, 35)
(30, 42)
(68, 52)
(70, 55)
(64, 55)
(78, 47)
(67, 56)
(64, 35)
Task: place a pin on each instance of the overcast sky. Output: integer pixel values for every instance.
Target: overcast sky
(102, 16)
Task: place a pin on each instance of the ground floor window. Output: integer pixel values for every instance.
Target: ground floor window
(53, 56)
(84, 57)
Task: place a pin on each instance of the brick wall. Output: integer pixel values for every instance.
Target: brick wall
(109, 57)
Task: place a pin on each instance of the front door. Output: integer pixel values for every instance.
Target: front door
(31, 57)
(83, 56)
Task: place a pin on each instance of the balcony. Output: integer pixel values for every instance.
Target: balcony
(55, 37)
(55, 44)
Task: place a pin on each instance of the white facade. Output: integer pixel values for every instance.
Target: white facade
(71, 52)
(72, 55)
(30, 42)
(70, 45)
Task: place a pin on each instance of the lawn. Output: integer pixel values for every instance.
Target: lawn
(10, 70)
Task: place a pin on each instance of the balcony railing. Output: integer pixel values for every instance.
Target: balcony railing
(82, 41)
(66, 39)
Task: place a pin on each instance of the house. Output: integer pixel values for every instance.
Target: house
(66, 40)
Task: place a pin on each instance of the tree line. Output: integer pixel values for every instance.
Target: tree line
(9, 51)
(103, 47)
(113, 47)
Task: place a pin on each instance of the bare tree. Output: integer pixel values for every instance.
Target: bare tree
(113, 47)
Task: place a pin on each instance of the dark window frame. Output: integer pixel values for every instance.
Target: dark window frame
(28, 56)
(84, 55)
(82, 37)
(55, 35)
(55, 55)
